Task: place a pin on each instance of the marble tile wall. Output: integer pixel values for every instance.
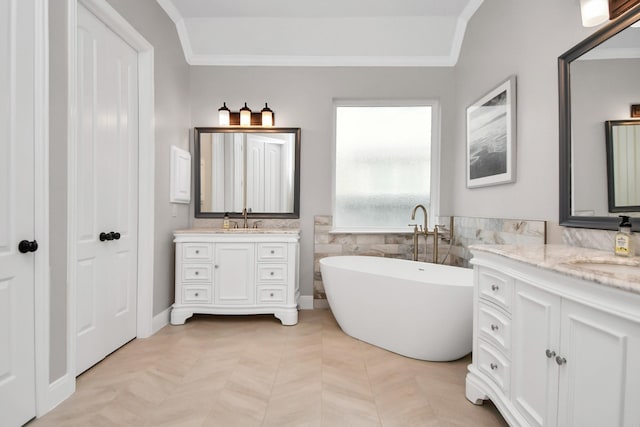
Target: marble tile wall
(594, 239)
(467, 231)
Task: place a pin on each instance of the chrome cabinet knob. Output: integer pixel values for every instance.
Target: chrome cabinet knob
(197, 294)
(272, 252)
(197, 273)
(271, 294)
(494, 327)
(493, 366)
(495, 288)
(561, 361)
(197, 251)
(550, 354)
(272, 273)
(216, 266)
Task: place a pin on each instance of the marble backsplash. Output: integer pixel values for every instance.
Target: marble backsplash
(262, 223)
(466, 232)
(594, 239)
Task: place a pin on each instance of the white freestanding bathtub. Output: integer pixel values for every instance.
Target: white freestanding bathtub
(415, 309)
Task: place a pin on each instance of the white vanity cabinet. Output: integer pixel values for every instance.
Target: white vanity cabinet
(553, 350)
(236, 272)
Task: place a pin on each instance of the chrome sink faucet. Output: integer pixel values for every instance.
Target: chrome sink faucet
(245, 215)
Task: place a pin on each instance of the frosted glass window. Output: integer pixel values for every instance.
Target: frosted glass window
(383, 165)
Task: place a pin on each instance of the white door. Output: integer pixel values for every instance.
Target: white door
(17, 363)
(536, 329)
(599, 377)
(234, 273)
(107, 183)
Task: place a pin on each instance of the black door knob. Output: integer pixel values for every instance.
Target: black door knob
(106, 236)
(26, 246)
(115, 235)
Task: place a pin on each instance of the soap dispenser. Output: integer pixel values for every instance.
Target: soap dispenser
(624, 240)
(225, 221)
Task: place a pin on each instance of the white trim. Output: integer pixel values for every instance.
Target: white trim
(161, 320)
(461, 28)
(313, 61)
(146, 158)
(42, 303)
(60, 390)
(305, 302)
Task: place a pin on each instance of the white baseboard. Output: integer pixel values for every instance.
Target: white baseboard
(160, 320)
(305, 302)
(320, 304)
(59, 391)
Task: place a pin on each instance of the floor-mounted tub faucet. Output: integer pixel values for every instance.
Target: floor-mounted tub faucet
(425, 232)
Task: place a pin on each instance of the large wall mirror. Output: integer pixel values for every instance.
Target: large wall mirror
(598, 83)
(257, 169)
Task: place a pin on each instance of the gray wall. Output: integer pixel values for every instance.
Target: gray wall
(303, 97)
(172, 128)
(524, 38)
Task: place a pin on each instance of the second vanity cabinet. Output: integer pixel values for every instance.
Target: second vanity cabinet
(236, 272)
(553, 350)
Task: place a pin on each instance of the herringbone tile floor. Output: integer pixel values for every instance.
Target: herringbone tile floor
(250, 371)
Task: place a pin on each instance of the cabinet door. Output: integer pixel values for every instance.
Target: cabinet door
(600, 381)
(536, 329)
(234, 273)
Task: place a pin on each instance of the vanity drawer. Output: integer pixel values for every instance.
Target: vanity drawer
(197, 252)
(272, 252)
(196, 272)
(492, 363)
(272, 273)
(494, 327)
(271, 294)
(196, 294)
(495, 286)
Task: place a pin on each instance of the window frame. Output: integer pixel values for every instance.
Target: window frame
(434, 208)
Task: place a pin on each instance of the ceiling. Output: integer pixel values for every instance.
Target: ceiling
(321, 33)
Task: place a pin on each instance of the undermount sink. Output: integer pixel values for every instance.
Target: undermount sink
(625, 267)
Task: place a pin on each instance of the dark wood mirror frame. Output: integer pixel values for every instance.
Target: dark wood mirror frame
(264, 215)
(564, 87)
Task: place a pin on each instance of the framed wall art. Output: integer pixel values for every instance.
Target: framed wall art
(491, 137)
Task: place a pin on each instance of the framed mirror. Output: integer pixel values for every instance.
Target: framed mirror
(257, 169)
(623, 165)
(597, 82)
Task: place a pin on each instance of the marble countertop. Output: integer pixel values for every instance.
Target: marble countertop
(588, 264)
(238, 231)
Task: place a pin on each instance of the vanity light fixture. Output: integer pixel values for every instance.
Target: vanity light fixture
(245, 117)
(223, 115)
(594, 12)
(267, 116)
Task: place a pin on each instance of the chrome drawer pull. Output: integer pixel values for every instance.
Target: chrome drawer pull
(561, 360)
(493, 366)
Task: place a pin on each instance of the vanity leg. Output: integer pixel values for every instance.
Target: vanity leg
(288, 317)
(473, 392)
(179, 316)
